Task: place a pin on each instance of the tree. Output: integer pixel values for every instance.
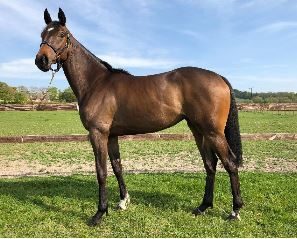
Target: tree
(53, 93)
(22, 95)
(6, 93)
(20, 98)
(67, 96)
(23, 89)
(257, 99)
(18, 95)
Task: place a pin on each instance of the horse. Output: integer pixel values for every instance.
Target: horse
(113, 102)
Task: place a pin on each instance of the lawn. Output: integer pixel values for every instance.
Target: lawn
(161, 207)
(40, 123)
(68, 122)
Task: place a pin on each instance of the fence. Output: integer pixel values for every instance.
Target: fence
(275, 107)
(38, 107)
(150, 136)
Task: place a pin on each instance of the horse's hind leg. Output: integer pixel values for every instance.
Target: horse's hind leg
(114, 155)
(210, 163)
(222, 149)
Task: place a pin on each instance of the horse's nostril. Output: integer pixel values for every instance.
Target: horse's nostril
(41, 60)
(44, 60)
(37, 60)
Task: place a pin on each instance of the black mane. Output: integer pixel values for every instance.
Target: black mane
(111, 69)
(104, 63)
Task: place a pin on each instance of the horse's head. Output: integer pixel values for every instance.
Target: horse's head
(55, 43)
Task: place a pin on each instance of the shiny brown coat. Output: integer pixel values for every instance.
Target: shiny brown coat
(113, 102)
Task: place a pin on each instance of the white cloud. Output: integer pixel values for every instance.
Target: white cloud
(25, 68)
(144, 7)
(209, 3)
(193, 34)
(264, 83)
(21, 20)
(261, 3)
(278, 26)
(138, 62)
(24, 72)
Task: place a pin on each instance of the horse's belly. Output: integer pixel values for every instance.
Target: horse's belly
(144, 122)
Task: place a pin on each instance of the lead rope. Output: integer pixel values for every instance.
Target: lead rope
(49, 85)
(59, 65)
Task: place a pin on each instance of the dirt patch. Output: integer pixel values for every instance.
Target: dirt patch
(148, 136)
(18, 168)
(180, 163)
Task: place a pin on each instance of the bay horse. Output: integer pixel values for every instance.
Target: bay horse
(113, 102)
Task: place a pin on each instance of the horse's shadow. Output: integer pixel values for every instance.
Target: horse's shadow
(43, 192)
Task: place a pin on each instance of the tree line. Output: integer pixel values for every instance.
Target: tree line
(23, 95)
(267, 97)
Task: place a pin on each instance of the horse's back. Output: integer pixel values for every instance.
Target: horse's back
(151, 103)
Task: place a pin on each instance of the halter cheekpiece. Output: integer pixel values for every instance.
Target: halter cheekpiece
(58, 52)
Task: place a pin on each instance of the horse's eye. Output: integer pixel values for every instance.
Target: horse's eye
(62, 34)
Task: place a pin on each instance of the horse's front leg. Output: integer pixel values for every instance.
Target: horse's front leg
(114, 155)
(99, 144)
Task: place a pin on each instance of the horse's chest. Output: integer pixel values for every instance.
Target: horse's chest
(91, 118)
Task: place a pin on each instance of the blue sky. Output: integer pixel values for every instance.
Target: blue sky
(252, 43)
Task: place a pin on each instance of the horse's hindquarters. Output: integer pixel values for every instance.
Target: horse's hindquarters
(206, 100)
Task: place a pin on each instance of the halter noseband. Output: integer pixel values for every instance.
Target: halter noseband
(58, 52)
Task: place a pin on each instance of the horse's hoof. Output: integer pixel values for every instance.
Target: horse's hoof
(94, 221)
(197, 212)
(97, 218)
(233, 216)
(123, 204)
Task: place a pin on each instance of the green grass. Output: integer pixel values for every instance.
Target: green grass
(255, 122)
(161, 203)
(80, 153)
(268, 122)
(68, 122)
(161, 207)
(40, 123)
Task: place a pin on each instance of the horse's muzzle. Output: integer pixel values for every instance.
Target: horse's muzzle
(42, 62)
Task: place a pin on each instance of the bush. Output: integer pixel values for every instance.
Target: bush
(20, 98)
(11, 95)
(67, 96)
(257, 99)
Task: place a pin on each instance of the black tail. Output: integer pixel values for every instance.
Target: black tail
(232, 132)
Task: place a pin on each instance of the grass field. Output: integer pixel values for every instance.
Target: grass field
(161, 202)
(161, 207)
(68, 122)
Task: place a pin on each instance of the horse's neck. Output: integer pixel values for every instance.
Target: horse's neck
(82, 69)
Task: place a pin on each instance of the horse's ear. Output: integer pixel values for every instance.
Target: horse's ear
(47, 17)
(61, 16)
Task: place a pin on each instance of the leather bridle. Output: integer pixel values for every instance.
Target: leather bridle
(59, 63)
(58, 52)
